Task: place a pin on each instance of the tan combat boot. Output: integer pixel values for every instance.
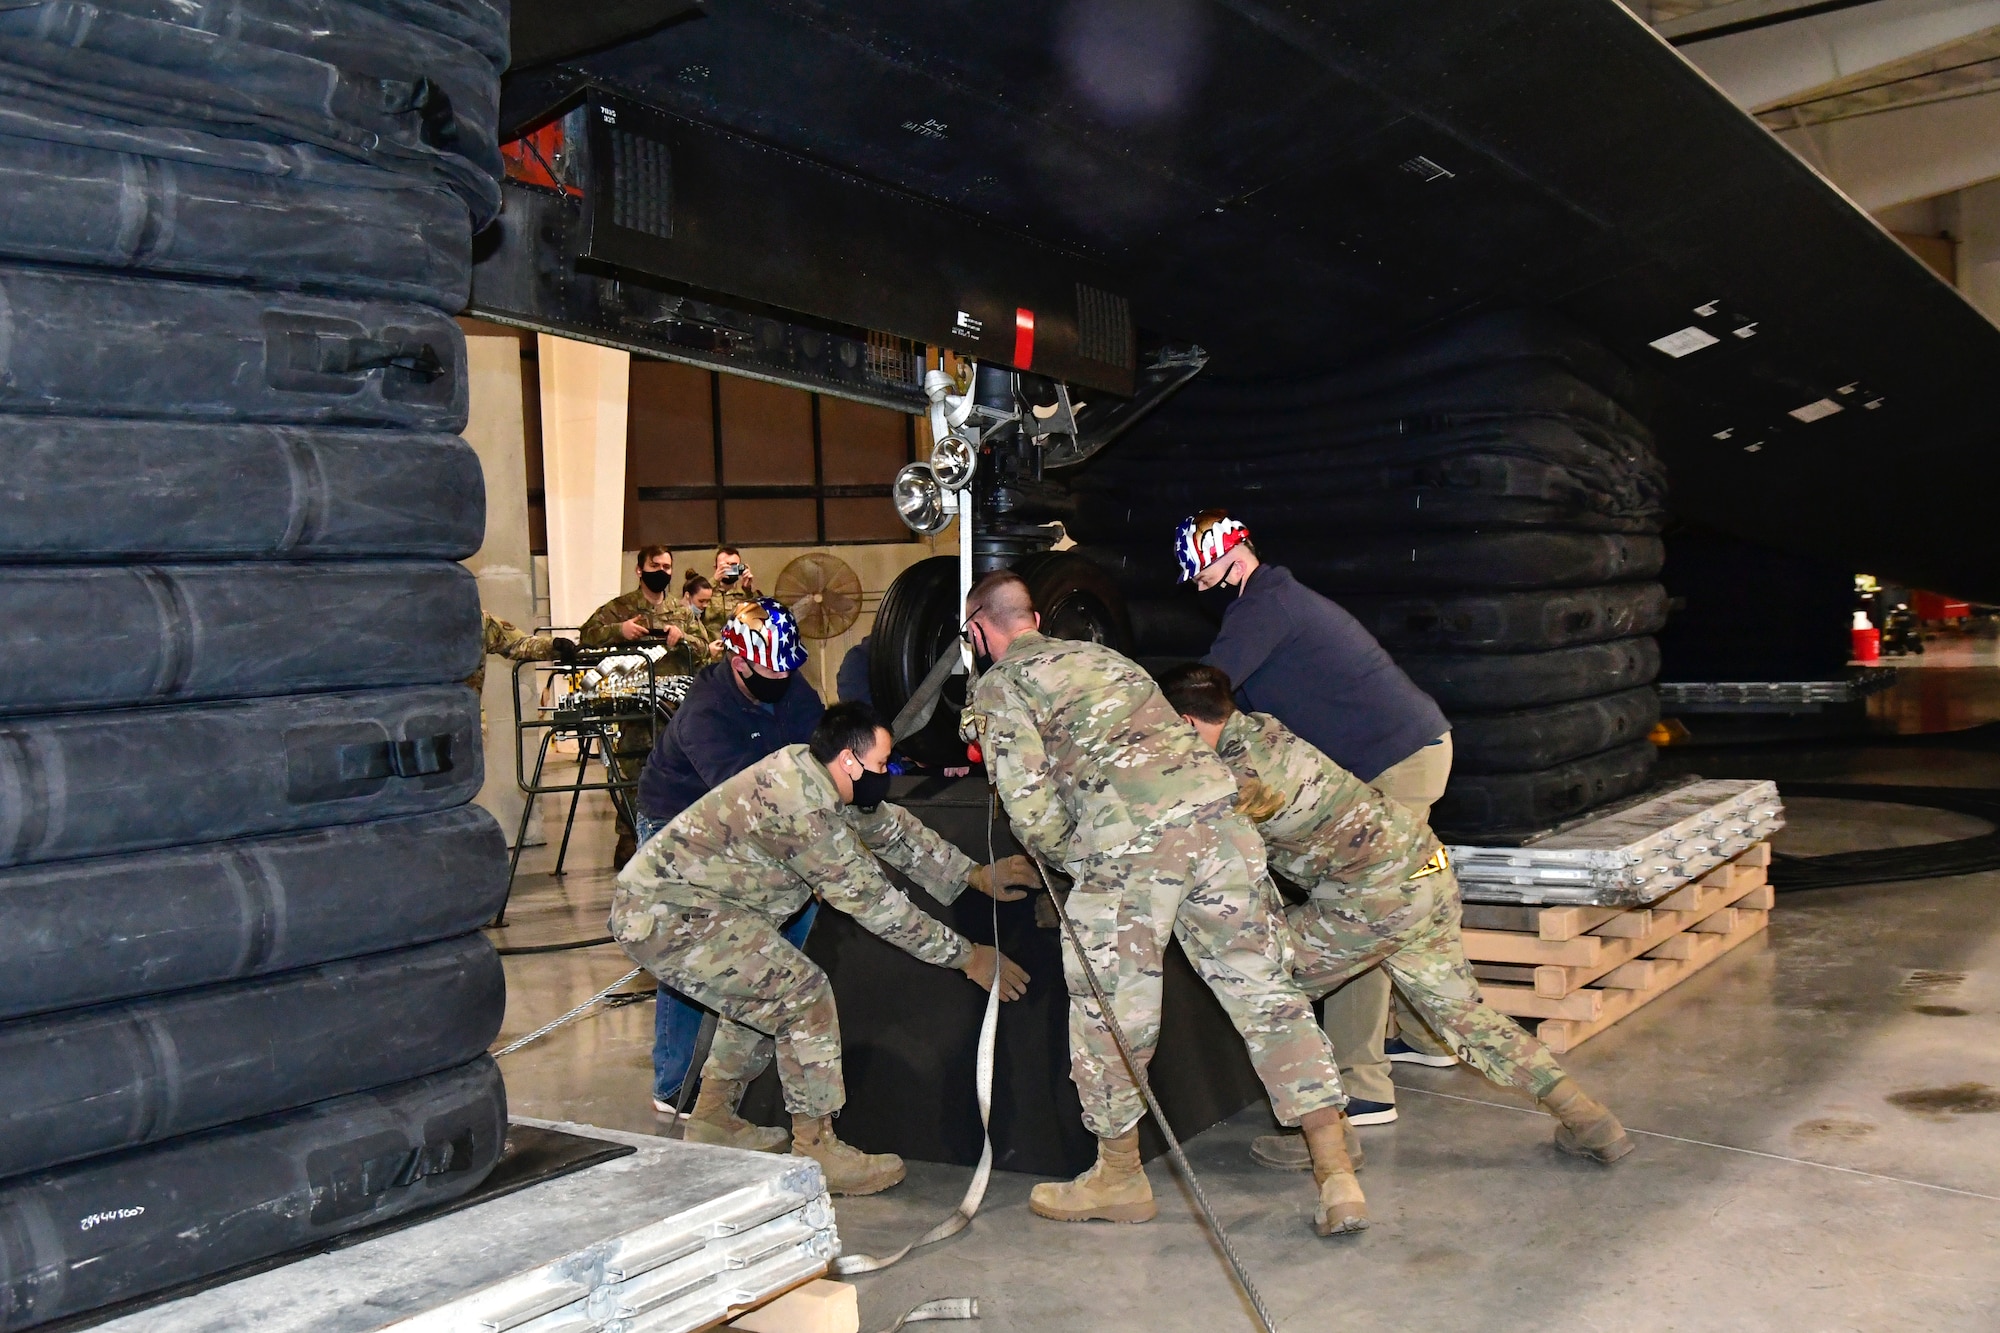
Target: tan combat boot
(714, 1120)
(848, 1170)
(1588, 1128)
(1341, 1206)
(1286, 1151)
(1114, 1190)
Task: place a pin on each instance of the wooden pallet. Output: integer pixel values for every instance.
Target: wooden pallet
(1578, 970)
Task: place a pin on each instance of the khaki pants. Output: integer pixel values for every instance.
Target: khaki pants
(1356, 1016)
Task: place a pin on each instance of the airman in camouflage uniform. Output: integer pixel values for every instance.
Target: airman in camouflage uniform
(685, 658)
(502, 639)
(663, 613)
(1382, 892)
(728, 595)
(701, 907)
(722, 606)
(1100, 777)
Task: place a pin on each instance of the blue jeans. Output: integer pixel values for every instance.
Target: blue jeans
(677, 1019)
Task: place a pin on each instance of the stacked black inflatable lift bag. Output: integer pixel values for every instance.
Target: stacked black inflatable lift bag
(1485, 502)
(243, 1002)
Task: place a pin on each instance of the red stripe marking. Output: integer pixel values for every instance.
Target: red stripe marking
(1024, 339)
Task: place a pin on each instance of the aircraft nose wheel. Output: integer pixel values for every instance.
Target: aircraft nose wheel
(916, 624)
(1077, 599)
(919, 621)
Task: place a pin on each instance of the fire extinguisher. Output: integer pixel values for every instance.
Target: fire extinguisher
(1867, 639)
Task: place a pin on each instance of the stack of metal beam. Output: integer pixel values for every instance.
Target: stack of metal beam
(670, 1238)
(1631, 857)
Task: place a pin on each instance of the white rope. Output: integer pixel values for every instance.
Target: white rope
(975, 1193)
(949, 1307)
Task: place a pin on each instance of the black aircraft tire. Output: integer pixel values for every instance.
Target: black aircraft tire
(1521, 471)
(917, 623)
(1473, 561)
(1488, 803)
(129, 1223)
(1511, 622)
(1077, 599)
(1289, 527)
(1141, 572)
(97, 344)
(1456, 398)
(110, 928)
(1349, 453)
(1508, 338)
(1499, 682)
(1338, 559)
(1170, 627)
(115, 1076)
(127, 780)
(1491, 491)
(1534, 738)
(343, 79)
(480, 24)
(81, 489)
(96, 636)
(73, 204)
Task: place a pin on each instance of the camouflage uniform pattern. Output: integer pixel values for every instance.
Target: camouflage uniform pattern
(702, 903)
(1101, 777)
(1382, 893)
(1334, 829)
(722, 606)
(635, 739)
(683, 659)
(502, 639)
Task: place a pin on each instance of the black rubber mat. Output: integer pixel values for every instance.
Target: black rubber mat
(1883, 865)
(532, 1155)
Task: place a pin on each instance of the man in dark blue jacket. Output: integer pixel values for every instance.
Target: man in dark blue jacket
(1303, 659)
(751, 704)
(850, 683)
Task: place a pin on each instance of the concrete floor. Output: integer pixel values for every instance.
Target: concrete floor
(1818, 1144)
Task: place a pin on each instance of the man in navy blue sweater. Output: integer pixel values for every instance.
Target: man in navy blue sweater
(1303, 659)
(751, 704)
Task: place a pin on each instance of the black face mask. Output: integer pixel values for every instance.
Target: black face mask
(1216, 600)
(871, 789)
(982, 661)
(657, 580)
(764, 689)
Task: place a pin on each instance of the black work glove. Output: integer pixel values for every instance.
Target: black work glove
(565, 650)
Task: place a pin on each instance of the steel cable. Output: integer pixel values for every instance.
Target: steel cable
(570, 1017)
(1145, 1086)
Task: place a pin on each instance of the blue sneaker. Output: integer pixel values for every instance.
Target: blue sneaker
(1370, 1113)
(1402, 1053)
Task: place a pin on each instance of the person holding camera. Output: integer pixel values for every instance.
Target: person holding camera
(734, 585)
